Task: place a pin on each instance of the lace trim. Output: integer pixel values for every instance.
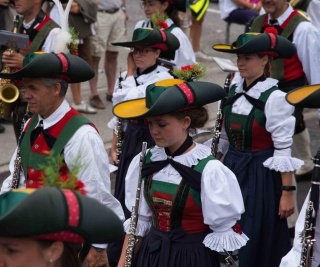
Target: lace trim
(142, 228)
(229, 241)
(283, 164)
(189, 159)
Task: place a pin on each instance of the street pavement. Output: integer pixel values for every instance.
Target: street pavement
(213, 33)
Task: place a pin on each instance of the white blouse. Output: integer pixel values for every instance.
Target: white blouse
(279, 122)
(221, 198)
(184, 54)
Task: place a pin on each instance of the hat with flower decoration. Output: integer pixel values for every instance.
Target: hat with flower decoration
(70, 68)
(262, 43)
(305, 97)
(51, 213)
(169, 96)
(156, 38)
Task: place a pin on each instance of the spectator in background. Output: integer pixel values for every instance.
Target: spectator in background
(111, 21)
(198, 11)
(82, 15)
(239, 11)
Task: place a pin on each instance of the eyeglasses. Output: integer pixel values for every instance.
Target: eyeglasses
(142, 51)
(144, 4)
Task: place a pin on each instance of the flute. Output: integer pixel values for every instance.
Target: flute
(134, 213)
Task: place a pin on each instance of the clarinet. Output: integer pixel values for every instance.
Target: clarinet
(119, 132)
(17, 161)
(218, 123)
(308, 233)
(132, 239)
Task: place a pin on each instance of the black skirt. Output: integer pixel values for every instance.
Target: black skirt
(269, 238)
(175, 248)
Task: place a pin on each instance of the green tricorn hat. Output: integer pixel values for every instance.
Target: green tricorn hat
(160, 39)
(51, 213)
(169, 96)
(70, 68)
(262, 43)
(305, 97)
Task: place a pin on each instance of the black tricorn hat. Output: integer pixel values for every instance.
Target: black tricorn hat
(149, 37)
(51, 213)
(169, 96)
(305, 97)
(70, 68)
(262, 43)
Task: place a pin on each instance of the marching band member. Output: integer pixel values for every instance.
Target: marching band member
(256, 139)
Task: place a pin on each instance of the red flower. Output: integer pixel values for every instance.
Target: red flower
(187, 67)
(271, 29)
(79, 186)
(64, 177)
(237, 228)
(162, 24)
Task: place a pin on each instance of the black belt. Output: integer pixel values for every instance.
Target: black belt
(109, 11)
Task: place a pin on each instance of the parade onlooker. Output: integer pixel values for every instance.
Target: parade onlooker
(57, 129)
(47, 226)
(198, 11)
(256, 140)
(147, 46)
(184, 55)
(111, 22)
(239, 11)
(190, 202)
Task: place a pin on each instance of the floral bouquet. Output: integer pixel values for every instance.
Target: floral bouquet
(190, 72)
(57, 174)
(159, 20)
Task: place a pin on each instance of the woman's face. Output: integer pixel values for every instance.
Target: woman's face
(144, 57)
(152, 6)
(23, 252)
(168, 131)
(251, 66)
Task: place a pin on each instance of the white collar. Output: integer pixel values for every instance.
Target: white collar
(282, 18)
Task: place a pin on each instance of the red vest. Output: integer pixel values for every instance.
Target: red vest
(34, 156)
(283, 69)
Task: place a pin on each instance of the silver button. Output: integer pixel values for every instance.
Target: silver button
(32, 170)
(36, 146)
(31, 182)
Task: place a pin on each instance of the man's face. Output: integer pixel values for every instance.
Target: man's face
(25, 7)
(42, 99)
(274, 7)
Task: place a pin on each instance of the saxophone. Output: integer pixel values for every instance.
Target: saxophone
(9, 93)
(308, 233)
(218, 123)
(132, 239)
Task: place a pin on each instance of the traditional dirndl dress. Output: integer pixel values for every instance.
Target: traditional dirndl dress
(250, 145)
(180, 225)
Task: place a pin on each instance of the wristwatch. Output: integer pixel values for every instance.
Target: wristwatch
(98, 249)
(288, 188)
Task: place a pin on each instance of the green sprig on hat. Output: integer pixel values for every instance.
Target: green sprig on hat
(190, 72)
(73, 45)
(56, 173)
(158, 20)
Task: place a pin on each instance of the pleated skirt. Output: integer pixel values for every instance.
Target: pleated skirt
(261, 190)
